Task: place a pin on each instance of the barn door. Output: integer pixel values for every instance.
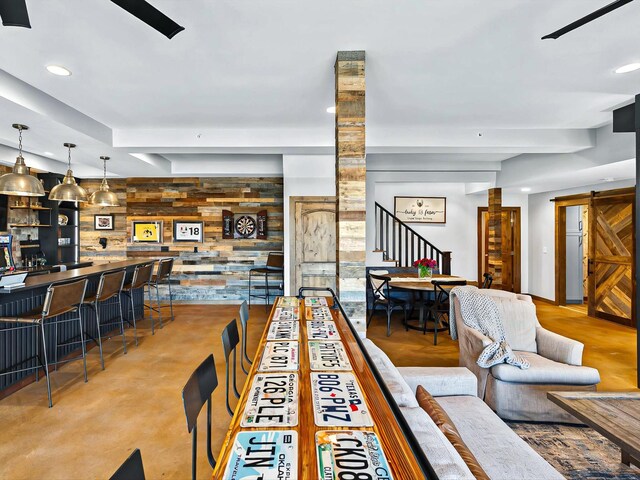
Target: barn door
(611, 287)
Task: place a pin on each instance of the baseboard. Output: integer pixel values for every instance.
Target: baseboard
(541, 299)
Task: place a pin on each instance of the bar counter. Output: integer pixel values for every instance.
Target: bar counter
(17, 346)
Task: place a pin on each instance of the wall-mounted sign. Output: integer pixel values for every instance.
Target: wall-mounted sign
(188, 231)
(146, 232)
(244, 225)
(420, 209)
(100, 222)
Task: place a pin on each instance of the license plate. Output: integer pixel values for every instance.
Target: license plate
(351, 454)
(320, 330)
(328, 356)
(286, 314)
(273, 401)
(284, 331)
(288, 302)
(338, 401)
(318, 313)
(279, 357)
(264, 455)
(315, 301)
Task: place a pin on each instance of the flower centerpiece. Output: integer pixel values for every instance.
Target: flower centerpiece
(425, 267)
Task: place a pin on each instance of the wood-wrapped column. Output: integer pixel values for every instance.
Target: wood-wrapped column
(494, 248)
(351, 186)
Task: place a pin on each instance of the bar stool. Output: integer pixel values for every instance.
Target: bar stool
(488, 280)
(275, 266)
(195, 394)
(131, 469)
(141, 277)
(230, 341)
(165, 266)
(244, 320)
(109, 286)
(60, 299)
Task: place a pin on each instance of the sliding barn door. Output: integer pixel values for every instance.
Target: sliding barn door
(611, 259)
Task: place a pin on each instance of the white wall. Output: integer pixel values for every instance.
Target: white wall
(304, 175)
(542, 236)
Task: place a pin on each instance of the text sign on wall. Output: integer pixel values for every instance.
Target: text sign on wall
(421, 209)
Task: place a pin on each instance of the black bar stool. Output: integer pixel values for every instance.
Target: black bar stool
(61, 299)
(230, 341)
(275, 266)
(195, 394)
(165, 266)
(109, 287)
(244, 320)
(488, 280)
(131, 469)
(141, 278)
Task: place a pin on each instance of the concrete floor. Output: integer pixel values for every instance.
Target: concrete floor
(136, 402)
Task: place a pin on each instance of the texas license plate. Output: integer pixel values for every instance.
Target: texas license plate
(322, 330)
(273, 401)
(318, 313)
(328, 356)
(315, 301)
(288, 302)
(338, 401)
(280, 357)
(284, 331)
(350, 454)
(286, 314)
(264, 455)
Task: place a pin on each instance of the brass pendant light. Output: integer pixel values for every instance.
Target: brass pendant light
(103, 196)
(20, 182)
(68, 190)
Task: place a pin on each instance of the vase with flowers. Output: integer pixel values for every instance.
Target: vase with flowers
(425, 267)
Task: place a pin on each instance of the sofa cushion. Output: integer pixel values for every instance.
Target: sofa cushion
(444, 459)
(502, 454)
(543, 370)
(446, 426)
(520, 323)
(441, 381)
(402, 393)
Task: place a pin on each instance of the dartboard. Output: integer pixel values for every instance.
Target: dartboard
(245, 226)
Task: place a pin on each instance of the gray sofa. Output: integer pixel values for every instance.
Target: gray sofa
(493, 443)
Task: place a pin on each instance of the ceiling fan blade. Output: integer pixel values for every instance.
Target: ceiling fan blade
(14, 13)
(589, 18)
(151, 16)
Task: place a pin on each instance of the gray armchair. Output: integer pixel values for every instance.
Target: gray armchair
(556, 363)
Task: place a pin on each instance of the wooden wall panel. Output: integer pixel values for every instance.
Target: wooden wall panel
(494, 248)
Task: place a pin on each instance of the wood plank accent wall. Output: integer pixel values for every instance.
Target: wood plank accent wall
(219, 270)
(351, 185)
(494, 247)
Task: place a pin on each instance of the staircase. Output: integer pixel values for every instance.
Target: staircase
(401, 245)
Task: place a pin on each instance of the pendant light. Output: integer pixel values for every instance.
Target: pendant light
(68, 190)
(103, 196)
(20, 182)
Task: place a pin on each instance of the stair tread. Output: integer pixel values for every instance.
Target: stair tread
(378, 251)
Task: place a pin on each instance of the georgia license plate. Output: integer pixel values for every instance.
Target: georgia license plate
(264, 455)
(318, 313)
(321, 330)
(328, 356)
(273, 401)
(284, 331)
(351, 454)
(279, 356)
(288, 302)
(338, 401)
(286, 314)
(315, 301)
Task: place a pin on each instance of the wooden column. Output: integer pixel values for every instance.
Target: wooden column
(495, 236)
(351, 186)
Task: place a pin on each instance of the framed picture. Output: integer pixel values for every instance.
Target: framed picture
(103, 222)
(420, 209)
(188, 231)
(146, 232)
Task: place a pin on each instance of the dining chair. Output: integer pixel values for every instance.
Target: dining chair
(439, 309)
(141, 278)
(230, 340)
(488, 280)
(196, 392)
(382, 296)
(131, 469)
(163, 275)
(244, 321)
(275, 267)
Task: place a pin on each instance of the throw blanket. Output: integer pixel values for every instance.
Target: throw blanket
(481, 313)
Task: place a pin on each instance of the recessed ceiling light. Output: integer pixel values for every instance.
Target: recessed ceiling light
(58, 70)
(628, 68)
(48, 154)
(331, 110)
(525, 189)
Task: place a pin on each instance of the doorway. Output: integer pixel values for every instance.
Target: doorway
(577, 256)
(511, 246)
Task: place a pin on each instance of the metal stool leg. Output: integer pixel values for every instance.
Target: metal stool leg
(133, 316)
(82, 344)
(243, 353)
(227, 390)
(96, 309)
(249, 289)
(266, 295)
(194, 451)
(150, 306)
(46, 363)
(235, 374)
(157, 303)
(170, 297)
(124, 339)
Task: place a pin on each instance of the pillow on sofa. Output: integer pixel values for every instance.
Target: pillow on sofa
(446, 426)
(402, 393)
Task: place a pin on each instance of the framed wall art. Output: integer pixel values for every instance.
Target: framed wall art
(420, 209)
(188, 231)
(146, 232)
(103, 222)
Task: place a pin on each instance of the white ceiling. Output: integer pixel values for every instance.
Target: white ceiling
(457, 77)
